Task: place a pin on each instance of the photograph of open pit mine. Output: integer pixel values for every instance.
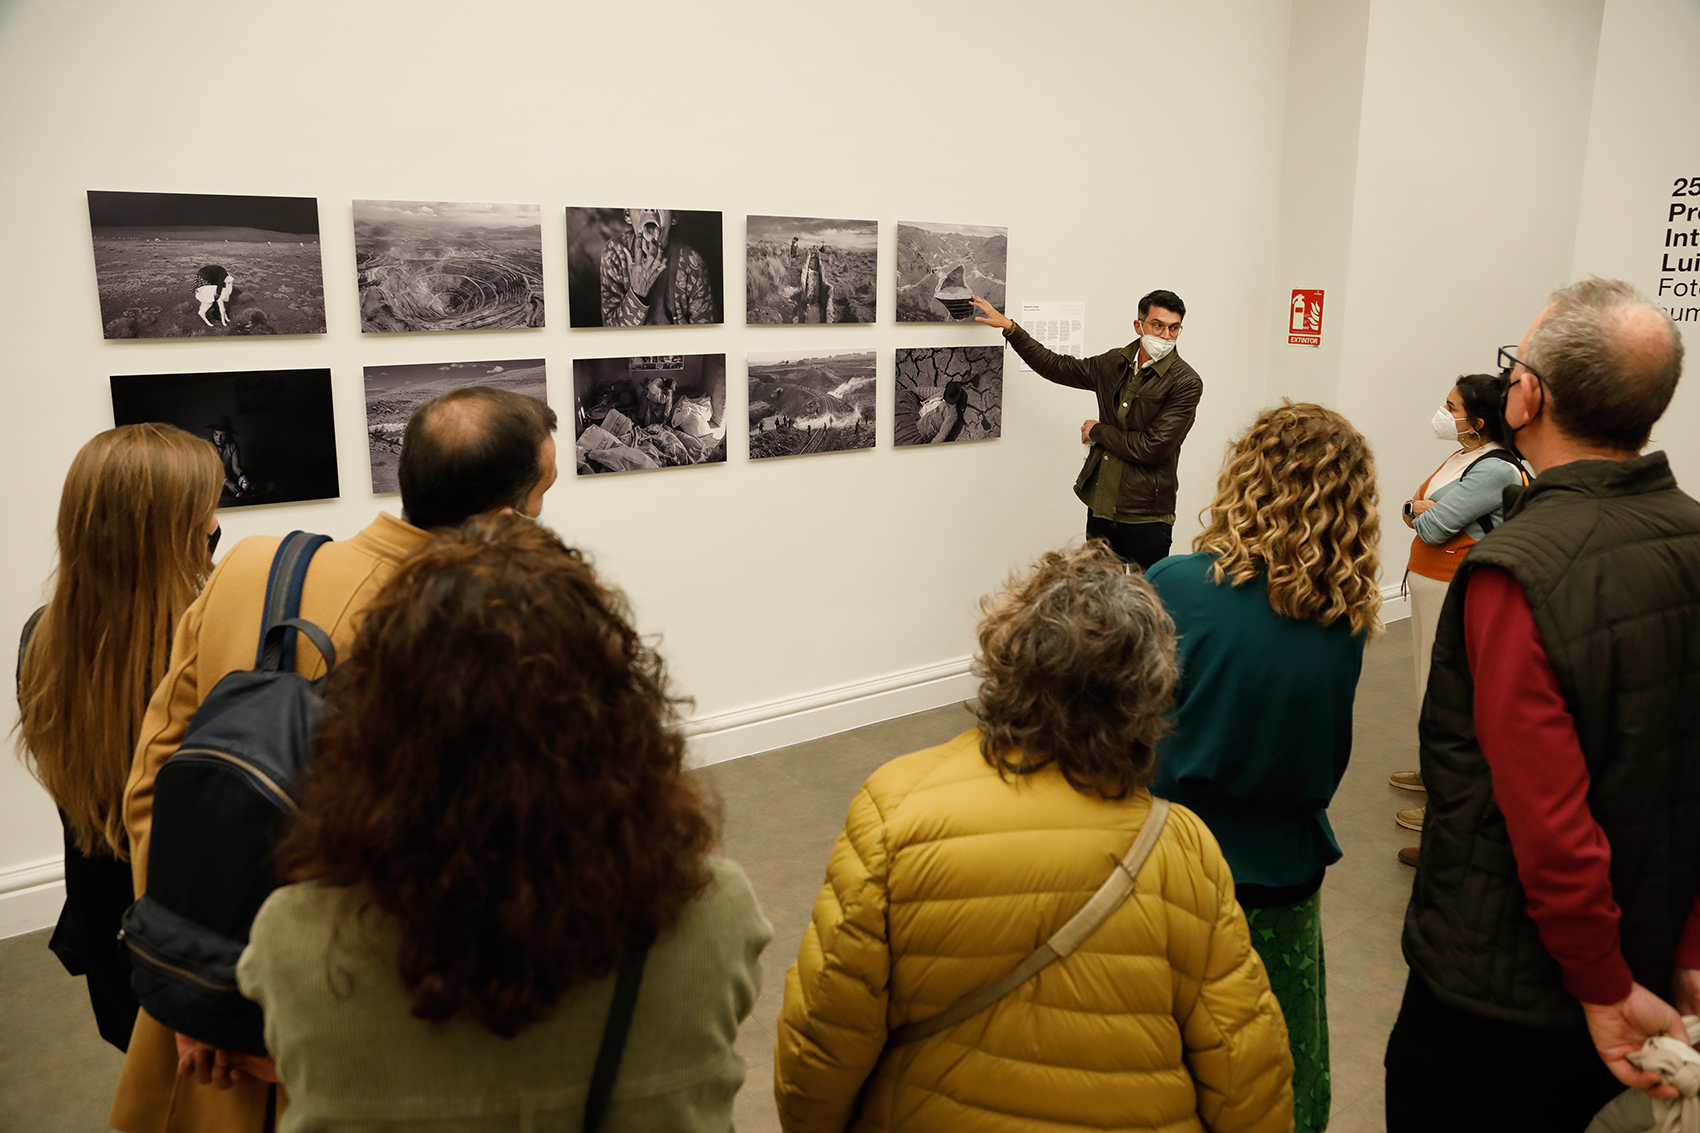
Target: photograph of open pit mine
(940, 267)
(394, 392)
(653, 411)
(273, 429)
(811, 401)
(644, 267)
(801, 269)
(948, 393)
(196, 265)
(442, 265)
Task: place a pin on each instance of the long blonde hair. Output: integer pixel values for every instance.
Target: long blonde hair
(1296, 502)
(132, 556)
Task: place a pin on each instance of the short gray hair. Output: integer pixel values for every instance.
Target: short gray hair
(1606, 382)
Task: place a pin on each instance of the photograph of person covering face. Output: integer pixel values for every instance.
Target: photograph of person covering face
(644, 267)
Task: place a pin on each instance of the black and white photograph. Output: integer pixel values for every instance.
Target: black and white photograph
(652, 411)
(940, 267)
(801, 269)
(445, 265)
(394, 392)
(273, 429)
(644, 267)
(197, 265)
(948, 393)
(811, 401)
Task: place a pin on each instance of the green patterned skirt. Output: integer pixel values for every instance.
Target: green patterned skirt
(1289, 939)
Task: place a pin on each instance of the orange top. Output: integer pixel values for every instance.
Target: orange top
(1438, 561)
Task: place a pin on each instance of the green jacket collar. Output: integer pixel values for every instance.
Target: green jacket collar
(1131, 353)
(1649, 473)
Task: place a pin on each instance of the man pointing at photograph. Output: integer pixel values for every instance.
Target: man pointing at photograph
(1147, 399)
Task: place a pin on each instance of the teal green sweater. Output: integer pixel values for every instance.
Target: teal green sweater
(1262, 724)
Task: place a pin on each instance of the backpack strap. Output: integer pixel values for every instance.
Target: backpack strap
(283, 598)
(1065, 940)
(613, 1046)
(1510, 458)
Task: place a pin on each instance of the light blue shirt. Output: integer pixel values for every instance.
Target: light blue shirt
(1460, 505)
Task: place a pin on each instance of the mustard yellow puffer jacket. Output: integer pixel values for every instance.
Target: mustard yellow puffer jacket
(945, 877)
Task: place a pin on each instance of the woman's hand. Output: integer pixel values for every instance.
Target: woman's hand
(1416, 508)
(991, 317)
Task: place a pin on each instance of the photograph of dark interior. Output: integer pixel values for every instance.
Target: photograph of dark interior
(394, 392)
(441, 265)
(196, 265)
(644, 267)
(815, 401)
(801, 269)
(272, 428)
(940, 267)
(948, 393)
(656, 411)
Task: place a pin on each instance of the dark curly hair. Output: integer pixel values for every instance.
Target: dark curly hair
(1076, 668)
(501, 770)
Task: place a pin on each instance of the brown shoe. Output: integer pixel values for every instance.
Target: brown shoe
(1407, 780)
(1411, 855)
(1411, 817)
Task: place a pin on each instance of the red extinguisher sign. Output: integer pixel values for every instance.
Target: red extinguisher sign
(1304, 323)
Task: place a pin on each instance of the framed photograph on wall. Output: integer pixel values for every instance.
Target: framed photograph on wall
(273, 429)
(800, 269)
(940, 267)
(198, 265)
(442, 265)
(948, 393)
(651, 411)
(394, 392)
(644, 267)
(811, 401)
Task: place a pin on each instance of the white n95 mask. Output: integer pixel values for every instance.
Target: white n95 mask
(1445, 425)
(1156, 348)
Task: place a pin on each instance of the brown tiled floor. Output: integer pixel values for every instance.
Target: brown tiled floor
(782, 810)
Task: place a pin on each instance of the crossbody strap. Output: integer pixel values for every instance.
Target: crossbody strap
(613, 1046)
(283, 597)
(1065, 940)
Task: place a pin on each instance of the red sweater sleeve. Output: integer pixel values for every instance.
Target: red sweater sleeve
(1540, 783)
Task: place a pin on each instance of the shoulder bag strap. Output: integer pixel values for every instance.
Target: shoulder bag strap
(1065, 940)
(1486, 521)
(283, 598)
(613, 1046)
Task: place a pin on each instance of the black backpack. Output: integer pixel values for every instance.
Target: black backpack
(219, 803)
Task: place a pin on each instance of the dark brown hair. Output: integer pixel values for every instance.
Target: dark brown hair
(500, 769)
(1076, 668)
(470, 451)
(133, 519)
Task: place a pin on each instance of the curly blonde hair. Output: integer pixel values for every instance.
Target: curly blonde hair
(1296, 502)
(1077, 667)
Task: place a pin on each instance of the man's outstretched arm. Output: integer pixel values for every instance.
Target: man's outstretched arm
(1062, 369)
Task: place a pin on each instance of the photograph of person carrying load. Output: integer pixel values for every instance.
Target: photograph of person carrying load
(651, 411)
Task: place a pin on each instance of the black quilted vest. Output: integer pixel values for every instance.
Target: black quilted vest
(1608, 555)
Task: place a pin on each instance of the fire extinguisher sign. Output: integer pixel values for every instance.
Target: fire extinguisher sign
(1304, 318)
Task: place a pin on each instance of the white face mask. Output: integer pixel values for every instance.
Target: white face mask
(1446, 426)
(1156, 348)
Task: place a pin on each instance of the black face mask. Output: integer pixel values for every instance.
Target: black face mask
(212, 541)
(1505, 400)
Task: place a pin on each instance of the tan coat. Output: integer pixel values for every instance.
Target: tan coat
(944, 878)
(219, 634)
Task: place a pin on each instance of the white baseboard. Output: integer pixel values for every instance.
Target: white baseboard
(720, 736)
(1395, 606)
(30, 895)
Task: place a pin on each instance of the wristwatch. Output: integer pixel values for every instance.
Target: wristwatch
(1410, 512)
(1010, 329)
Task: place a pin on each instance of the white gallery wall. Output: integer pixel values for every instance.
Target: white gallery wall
(1228, 150)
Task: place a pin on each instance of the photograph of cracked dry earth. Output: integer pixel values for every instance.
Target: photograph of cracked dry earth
(940, 267)
(443, 265)
(196, 265)
(394, 392)
(801, 269)
(948, 393)
(807, 402)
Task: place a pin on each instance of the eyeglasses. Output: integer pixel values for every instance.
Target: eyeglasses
(1507, 359)
(1160, 328)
